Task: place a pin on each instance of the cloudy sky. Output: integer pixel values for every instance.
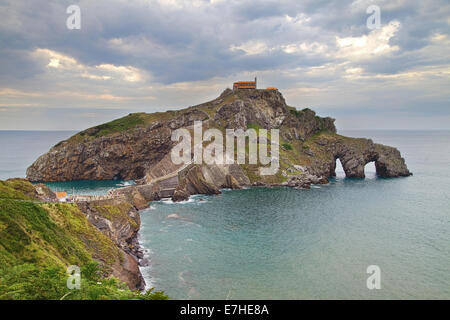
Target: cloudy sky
(145, 55)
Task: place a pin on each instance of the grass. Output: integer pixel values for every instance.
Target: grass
(129, 122)
(117, 212)
(16, 189)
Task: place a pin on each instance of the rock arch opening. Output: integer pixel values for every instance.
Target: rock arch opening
(370, 170)
(338, 170)
(356, 167)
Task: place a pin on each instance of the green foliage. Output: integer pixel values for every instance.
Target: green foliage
(294, 112)
(301, 113)
(154, 295)
(37, 243)
(28, 282)
(287, 146)
(91, 271)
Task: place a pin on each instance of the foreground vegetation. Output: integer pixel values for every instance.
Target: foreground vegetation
(38, 241)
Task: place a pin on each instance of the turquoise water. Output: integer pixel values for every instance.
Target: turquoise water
(295, 244)
(311, 244)
(87, 187)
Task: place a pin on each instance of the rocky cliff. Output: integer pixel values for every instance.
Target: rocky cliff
(138, 147)
(120, 222)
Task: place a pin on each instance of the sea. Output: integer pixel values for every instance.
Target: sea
(372, 238)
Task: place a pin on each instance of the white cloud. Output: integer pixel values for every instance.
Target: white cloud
(128, 73)
(376, 43)
(55, 59)
(299, 20)
(72, 68)
(353, 73)
(309, 48)
(252, 47)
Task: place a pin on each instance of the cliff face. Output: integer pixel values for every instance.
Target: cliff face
(126, 151)
(120, 222)
(138, 147)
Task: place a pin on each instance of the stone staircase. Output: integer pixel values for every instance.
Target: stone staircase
(167, 187)
(168, 183)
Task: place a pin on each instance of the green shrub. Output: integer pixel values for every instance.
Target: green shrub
(287, 146)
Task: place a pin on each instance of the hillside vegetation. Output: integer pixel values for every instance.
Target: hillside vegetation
(38, 241)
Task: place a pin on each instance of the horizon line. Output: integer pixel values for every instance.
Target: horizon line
(366, 129)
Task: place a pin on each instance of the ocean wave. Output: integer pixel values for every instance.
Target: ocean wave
(126, 183)
(170, 201)
(197, 199)
(150, 281)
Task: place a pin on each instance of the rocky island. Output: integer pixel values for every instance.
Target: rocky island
(138, 147)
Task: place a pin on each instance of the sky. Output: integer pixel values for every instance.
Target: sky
(156, 55)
